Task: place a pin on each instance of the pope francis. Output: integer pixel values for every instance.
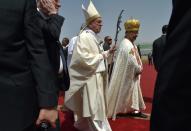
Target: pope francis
(88, 76)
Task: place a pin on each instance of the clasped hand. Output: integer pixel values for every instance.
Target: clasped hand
(112, 49)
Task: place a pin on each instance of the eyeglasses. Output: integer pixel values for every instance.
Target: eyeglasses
(58, 5)
(109, 39)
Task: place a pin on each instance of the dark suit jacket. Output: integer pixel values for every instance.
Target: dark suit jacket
(106, 46)
(139, 50)
(158, 47)
(26, 77)
(51, 28)
(65, 52)
(171, 105)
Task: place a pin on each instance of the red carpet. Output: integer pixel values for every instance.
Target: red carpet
(128, 124)
(123, 124)
(147, 85)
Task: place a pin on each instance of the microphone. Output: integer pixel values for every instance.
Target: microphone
(44, 126)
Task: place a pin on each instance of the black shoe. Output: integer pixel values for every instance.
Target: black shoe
(121, 115)
(140, 114)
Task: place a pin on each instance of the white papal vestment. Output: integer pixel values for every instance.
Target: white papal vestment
(124, 90)
(86, 96)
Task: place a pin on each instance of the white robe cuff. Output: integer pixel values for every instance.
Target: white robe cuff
(101, 67)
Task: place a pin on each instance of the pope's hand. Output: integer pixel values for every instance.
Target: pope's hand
(112, 49)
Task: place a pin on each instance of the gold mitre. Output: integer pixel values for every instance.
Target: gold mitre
(90, 13)
(132, 25)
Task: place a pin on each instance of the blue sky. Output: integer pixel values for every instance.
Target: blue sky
(153, 14)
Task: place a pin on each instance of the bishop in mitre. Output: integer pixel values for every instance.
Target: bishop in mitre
(125, 94)
(86, 96)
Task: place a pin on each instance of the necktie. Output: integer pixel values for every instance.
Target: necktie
(63, 58)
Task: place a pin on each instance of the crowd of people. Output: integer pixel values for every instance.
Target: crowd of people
(35, 66)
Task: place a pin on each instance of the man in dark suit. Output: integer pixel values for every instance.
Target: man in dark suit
(107, 43)
(106, 46)
(65, 42)
(158, 47)
(51, 23)
(171, 104)
(139, 50)
(27, 87)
